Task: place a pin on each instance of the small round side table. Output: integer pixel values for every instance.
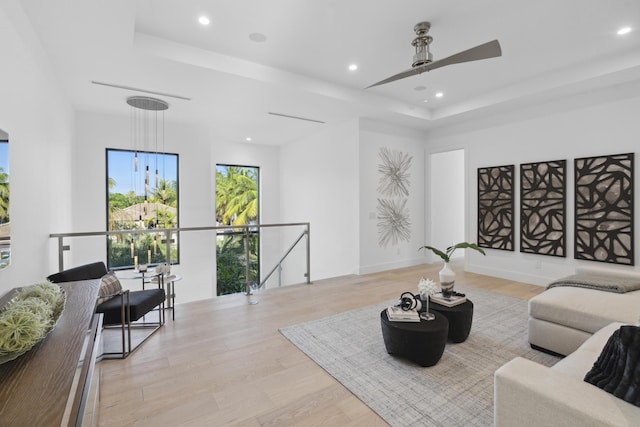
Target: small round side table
(460, 319)
(422, 342)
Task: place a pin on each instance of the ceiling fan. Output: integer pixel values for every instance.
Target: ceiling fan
(423, 60)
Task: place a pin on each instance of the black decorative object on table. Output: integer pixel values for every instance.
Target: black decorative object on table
(409, 301)
(421, 342)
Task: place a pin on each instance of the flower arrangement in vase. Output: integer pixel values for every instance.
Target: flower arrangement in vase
(447, 276)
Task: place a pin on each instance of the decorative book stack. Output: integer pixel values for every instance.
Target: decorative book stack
(397, 314)
(451, 301)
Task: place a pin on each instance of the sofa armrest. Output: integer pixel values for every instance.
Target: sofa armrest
(529, 394)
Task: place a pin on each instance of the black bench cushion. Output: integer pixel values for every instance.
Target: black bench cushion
(141, 303)
(84, 272)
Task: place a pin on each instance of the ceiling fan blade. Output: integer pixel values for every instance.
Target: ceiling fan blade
(402, 75)
(484, 51)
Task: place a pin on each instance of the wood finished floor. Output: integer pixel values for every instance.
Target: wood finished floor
(223, 362)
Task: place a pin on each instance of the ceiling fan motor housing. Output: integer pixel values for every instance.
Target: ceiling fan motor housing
(422, 56)
(421, 43)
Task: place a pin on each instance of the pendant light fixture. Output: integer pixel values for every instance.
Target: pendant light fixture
(147, 127)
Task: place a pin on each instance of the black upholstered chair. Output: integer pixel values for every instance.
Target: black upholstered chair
(120, 307)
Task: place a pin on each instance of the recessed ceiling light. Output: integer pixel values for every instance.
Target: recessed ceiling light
(625, 30)
(257, 37)
(353, 67)
(204, 20)
(439, 94)
(248, 139)
(425, 101)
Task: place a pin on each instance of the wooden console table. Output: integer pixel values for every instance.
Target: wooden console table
(48, 385)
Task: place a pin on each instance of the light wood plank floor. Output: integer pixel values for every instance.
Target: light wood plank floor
(223, 362)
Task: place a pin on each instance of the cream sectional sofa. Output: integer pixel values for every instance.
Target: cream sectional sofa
(528, 394)
(576, 323)
(562, 318)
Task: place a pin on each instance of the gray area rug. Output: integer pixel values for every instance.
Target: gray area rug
(458, 391)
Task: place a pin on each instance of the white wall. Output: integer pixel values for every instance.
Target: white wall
(329, 179)
(199, 150)
(373, 137)
(446, 205)
(39, 121)
(595, 123)
(319, 184)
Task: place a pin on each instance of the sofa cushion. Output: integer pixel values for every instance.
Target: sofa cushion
(585, 309)
(617, 370)
(578, 363)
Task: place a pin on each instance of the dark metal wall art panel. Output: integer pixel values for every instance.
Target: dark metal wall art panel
(543, 208)
(604, 209)
(495, 207)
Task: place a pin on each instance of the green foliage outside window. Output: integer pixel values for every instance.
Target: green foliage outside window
(4, 196)
(146, 199)
(5, 220)
(236, 204)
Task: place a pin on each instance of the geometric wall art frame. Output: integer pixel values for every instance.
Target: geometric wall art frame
(543, 208)
(495, 207)
(604, 202)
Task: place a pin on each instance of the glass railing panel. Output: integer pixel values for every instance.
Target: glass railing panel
(209, 260)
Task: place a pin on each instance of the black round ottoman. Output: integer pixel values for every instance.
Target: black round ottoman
(421, 342)
(460, 318)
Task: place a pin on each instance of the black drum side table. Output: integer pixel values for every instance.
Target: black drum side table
(421, 342)
(460, 319)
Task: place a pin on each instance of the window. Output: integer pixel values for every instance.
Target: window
(5, 224)
(142, 194)
(236, 204)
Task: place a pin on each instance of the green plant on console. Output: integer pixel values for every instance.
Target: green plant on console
(446, 254)
(28, 318)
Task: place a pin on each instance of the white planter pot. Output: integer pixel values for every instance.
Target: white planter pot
(447, 280)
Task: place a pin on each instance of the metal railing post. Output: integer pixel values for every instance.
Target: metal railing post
(61, 253)
(247, 269)
(168, 247)
(308, 275)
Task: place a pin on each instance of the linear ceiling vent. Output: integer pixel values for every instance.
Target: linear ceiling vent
(295, 117)
(140, 90)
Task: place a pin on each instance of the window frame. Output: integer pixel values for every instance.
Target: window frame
(6, 262)
(140, 153)
(252, 230)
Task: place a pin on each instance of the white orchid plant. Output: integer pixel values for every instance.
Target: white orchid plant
(427, 287)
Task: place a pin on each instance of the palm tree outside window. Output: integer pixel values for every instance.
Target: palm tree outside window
(5, 222)
(142, 199)
(236, 204)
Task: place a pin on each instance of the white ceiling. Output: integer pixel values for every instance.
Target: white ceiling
(550, 48)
